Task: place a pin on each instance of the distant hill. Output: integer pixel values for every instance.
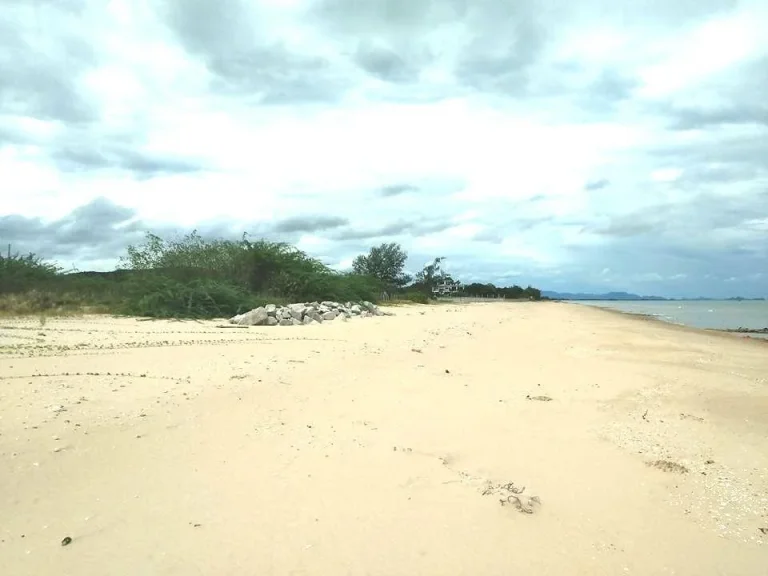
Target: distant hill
(627, 296)
(606, 296)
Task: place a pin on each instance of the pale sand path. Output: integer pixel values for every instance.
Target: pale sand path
(197, 450)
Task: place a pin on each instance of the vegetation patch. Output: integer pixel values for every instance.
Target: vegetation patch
(196, 277)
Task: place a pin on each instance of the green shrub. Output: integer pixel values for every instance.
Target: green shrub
(414, 296)
(163, 297)
(21, 273)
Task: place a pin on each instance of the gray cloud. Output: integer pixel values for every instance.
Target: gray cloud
(491, 66)
(213, 27)
(405, 227)
(43, 57)
(510, 221)
(648, 265)
(597, 184)
(97, 230)
(610, 88)
(397, 190)
(697, 175)
(687, 247)
(39, 84)
(696, 119)
(385, 64)
(735, 96)
(692, 221)
(504, 38)
(392, 17)
(87, 157)
(12, 135)
(308, 224)
(227, 36)
(613, 85)
(692, 119)
(737, 151)
(274, 75)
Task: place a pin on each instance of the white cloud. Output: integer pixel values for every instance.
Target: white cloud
(716, 44)
(666, 174)
(208, 113)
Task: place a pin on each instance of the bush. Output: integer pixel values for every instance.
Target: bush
(200, 278)
(416, 297)
(162, 297)
(188, 277)
(19, 273)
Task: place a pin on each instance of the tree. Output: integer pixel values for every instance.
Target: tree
(386, 263)
(429, 276)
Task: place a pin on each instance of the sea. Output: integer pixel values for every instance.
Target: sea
(713, 314)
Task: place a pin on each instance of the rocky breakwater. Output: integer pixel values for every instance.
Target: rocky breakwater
(301, 314)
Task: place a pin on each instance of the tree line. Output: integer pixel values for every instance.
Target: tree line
(195, 277)
(386, 262)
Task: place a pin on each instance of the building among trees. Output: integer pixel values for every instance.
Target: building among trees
(446, 287)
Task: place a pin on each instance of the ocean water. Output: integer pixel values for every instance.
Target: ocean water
(716, 314)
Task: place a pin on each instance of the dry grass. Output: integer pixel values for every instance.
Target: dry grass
(400, 302)
(35, 303)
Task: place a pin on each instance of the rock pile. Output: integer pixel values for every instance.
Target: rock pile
(305, 313)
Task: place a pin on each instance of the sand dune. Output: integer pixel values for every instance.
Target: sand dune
(383, 446)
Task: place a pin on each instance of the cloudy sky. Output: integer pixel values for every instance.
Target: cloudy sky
(585, 146)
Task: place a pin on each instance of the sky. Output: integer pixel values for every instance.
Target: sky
(575, 146)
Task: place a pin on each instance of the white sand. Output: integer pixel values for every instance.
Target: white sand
(186, 449)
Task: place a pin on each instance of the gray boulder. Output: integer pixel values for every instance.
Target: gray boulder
(255, 317)
(307, 313)
(315, 316)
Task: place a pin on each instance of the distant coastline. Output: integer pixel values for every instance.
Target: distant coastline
(629, 297)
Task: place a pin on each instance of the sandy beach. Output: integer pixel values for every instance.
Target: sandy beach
(383, 446)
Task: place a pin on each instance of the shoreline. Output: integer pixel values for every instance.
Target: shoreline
(747, 333)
